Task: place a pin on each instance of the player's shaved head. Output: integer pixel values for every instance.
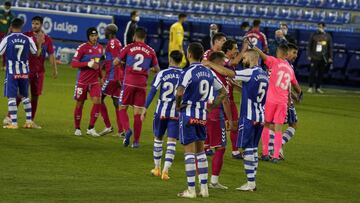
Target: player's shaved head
(140, 33)
(217, 57)
(195, 51)
(251, 58)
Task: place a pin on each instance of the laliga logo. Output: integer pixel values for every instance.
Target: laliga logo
(23, 17)
(101, 29)
(47, 25)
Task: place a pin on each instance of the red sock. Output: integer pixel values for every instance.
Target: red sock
(137, 127)
(265, 137)
(233, 137)
(124, 118)
(34, 103)
(77, 116)
(105, 115)
(118, 120)
(217, 161)
(277, 144)
(94, 115)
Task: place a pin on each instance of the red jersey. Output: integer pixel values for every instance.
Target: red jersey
(112, 51)
(36, 63)
(139, 58)
(258, 39)
(230, 86)
(85, 53)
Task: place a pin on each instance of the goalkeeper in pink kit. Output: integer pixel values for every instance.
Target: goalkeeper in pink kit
(281, 79)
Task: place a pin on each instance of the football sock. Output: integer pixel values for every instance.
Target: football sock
(202, 169)
(190, 169)
(77, 116)
(271, 141)
(34, 104)
(105, 115)
(277, 144)
(217, 162)
(233, 138)
(12, 109)
(18, 100)
(157, 152)
(27, 107)
(265, 137)
(256, 158)
(288, 134)
(118, 120)
(170, 154)
(249, 164)
(124, 119)
(94, 115)
(137, 128)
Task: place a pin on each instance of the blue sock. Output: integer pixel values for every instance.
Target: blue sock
(12, 108)
(27, 108)
(157, 152)
(190, 168)
(170, 154)
(202, 169)
(249, 164)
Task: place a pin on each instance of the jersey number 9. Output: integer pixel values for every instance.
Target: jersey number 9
(204, 89)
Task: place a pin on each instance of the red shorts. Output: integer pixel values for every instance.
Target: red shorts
(275, 113)
(216, 132)
(36, 81)
(111, 88)
(81, 91)
(133, 96)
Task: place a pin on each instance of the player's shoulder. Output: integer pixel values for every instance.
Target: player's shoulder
(82, 46)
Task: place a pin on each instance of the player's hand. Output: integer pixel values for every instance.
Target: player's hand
(300, 97)
(143, 115)
(116, 61)
(233, 125)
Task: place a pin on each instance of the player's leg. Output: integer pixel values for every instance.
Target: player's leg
(279, 119)
(159, 128)
(95, 94)
(173, 134)
(234, 133)
(187, 135)
(36, 86)
(271, 140)
(10, 91)
(77, 116)
(121, 132)
(24, 94)
(265, 137)
(104, 113)
(139, 103)
(125, 100)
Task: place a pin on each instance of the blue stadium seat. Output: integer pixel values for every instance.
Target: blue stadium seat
(109, 2)
(219, 7)
(353, 68)
(197, 7)
(240, 10)
(331, 16)
(155, 4)
(339, 65)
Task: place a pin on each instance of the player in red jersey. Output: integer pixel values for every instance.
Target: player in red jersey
(257, 38)
(139, 58)
(37, 64)
(86, 60)
(113, 79)
(218, 40)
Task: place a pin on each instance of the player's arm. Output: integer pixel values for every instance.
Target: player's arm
(3, 46)
(34, 48)
(52, 58)
(154, 87)
(178, 97)
(155, 69)
(218, 68)
(243, 75)
(218, 100)
(235, 61)
(228, 113)
(236, 85)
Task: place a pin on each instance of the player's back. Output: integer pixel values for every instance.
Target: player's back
(167, 80)
(254, 95)
(139, 58)
(281, 78)
(112, 50)
(17, 49)
(200, 81)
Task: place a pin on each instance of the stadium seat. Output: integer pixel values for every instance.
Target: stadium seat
(339, 65)
(353, 68)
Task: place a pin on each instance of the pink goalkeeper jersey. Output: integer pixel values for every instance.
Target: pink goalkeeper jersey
(282, 77)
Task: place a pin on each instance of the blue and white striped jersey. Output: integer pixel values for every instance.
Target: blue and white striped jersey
(16, 47)
(254, 88)
(167, 80)
(198, 82)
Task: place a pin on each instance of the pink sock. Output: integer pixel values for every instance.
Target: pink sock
(137, 128)
(265, 137)
(118, 120)
(124, 118)
(77, 117)
(217, 161)
(277, 144)
(105, 115)
(94, 115)
(233, 138)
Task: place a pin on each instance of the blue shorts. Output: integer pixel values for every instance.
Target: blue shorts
(249, 133)
(291, 116)
(188, 132)
(161, 125)
(15, 87)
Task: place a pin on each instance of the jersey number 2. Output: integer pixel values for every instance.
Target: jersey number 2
(139, 60)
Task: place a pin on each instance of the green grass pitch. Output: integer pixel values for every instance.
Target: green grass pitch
(51, 164)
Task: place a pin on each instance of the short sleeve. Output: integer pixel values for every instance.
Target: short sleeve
(244, 75)
(185, 78)
(3, 45)
(78, 54)
(157, 81)
(217, 83)
(269, 62)
(33, 48)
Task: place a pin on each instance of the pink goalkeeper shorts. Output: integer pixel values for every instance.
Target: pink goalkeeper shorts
(275, 113)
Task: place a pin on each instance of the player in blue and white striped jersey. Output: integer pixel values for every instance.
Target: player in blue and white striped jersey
(16, 46)
(192, 95)
(165, 117)
(254, 88)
